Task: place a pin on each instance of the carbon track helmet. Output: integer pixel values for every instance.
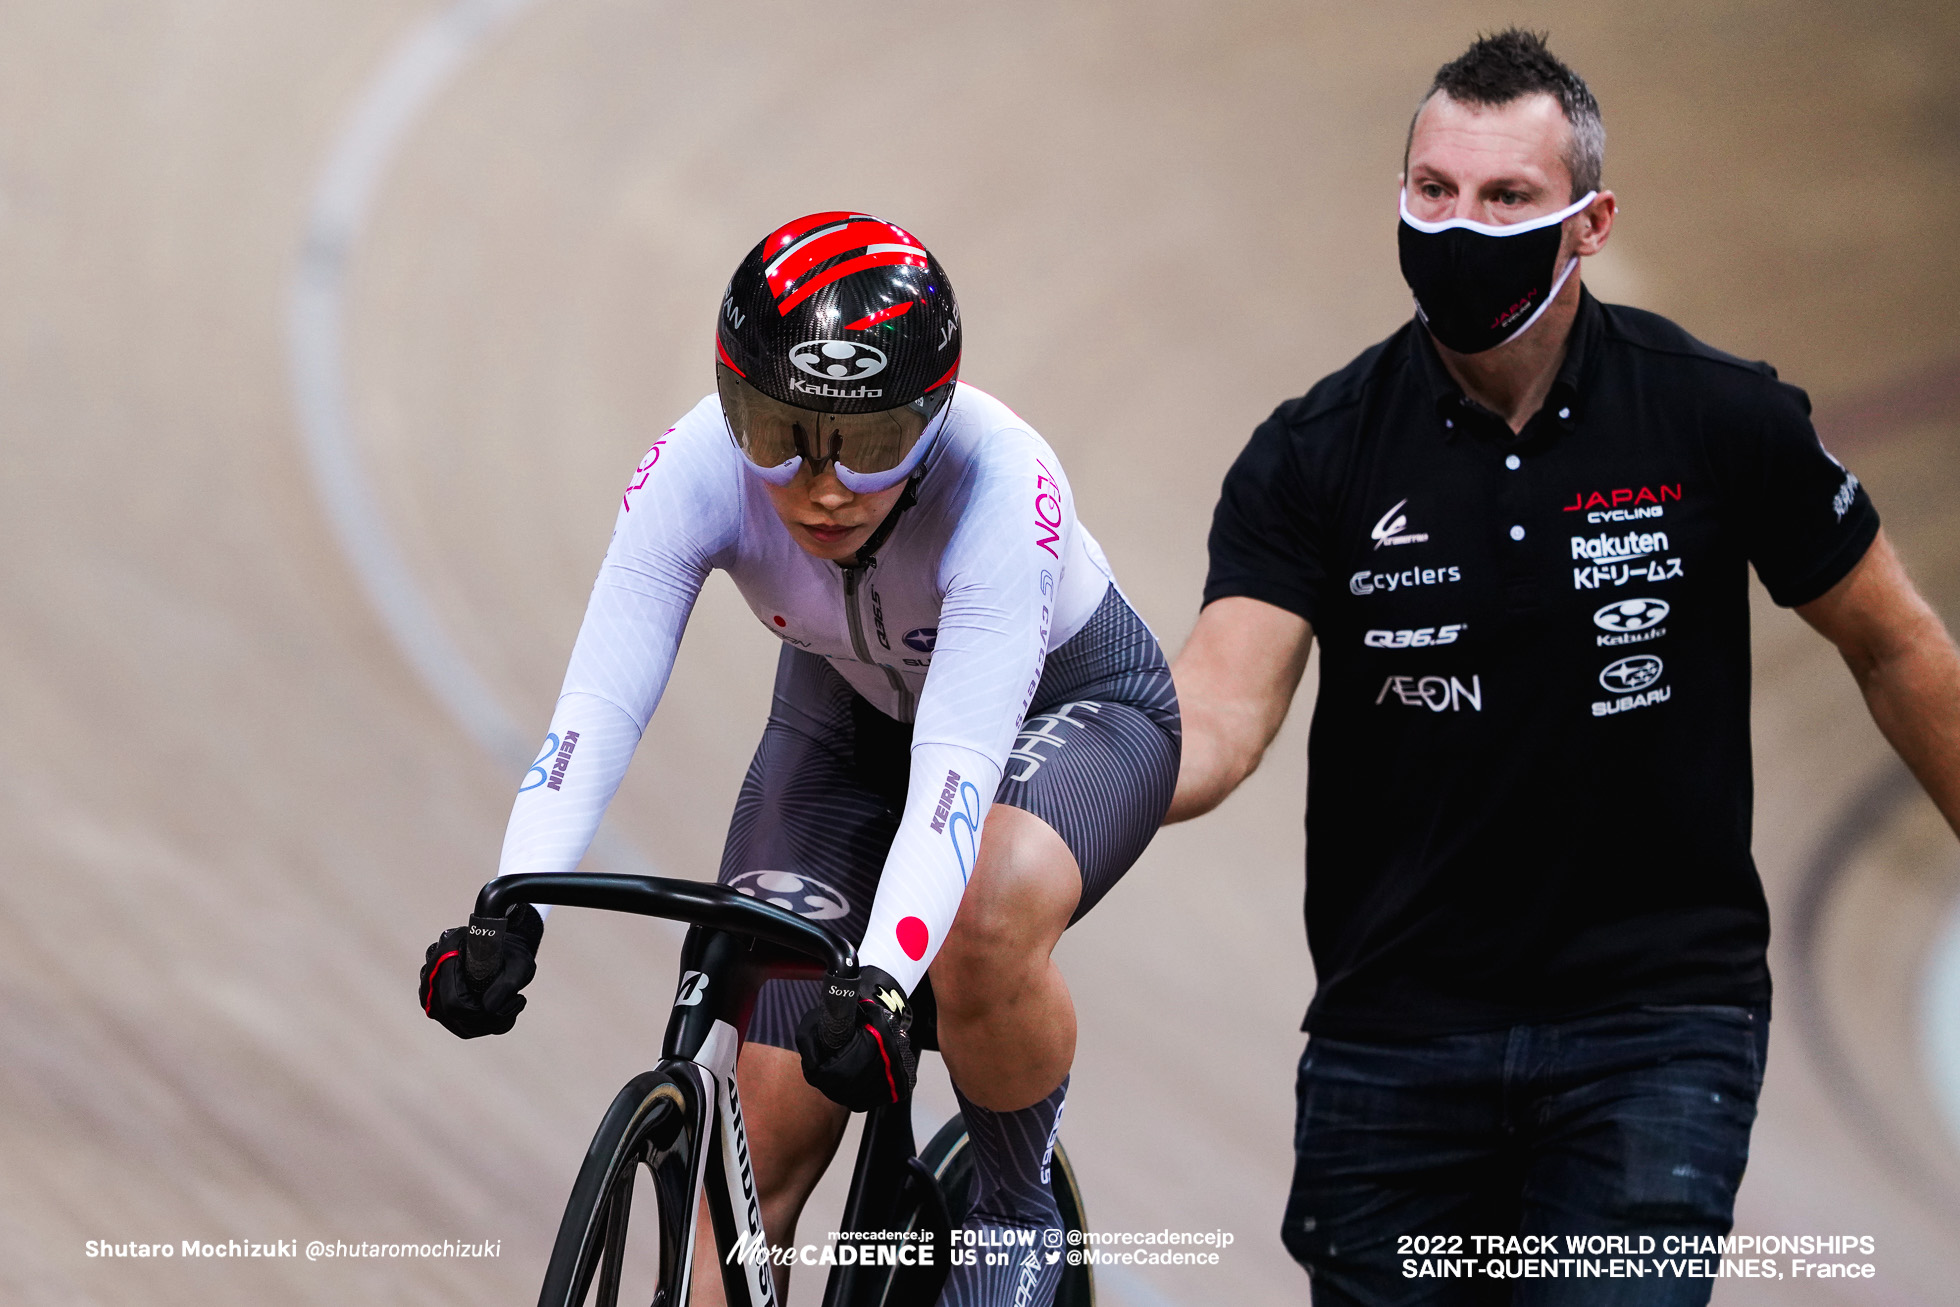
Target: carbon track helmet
(838, 343)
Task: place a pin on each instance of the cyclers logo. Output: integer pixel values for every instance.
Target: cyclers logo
(1367, 583)
(1389, 530)
(838, 360)
(792, 891)
(1631, 621)
(1631, 675)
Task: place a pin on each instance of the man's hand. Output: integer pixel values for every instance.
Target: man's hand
(471, 975)
(1235, 681)
(857, 1043)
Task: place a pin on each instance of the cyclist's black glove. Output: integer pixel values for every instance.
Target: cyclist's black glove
(857, 1043)
(472, 974)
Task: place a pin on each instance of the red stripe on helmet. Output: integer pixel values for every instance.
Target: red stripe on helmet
(721, 352)
(796, 229)
(851, 236)
(915, 258)
(943, 380)
(871, 320)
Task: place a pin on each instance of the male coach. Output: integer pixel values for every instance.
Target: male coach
(1522, 527)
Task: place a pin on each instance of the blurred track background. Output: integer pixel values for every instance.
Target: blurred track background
(301, 302)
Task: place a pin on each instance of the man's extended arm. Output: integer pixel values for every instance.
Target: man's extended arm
(1904, 661)
(1235, 681)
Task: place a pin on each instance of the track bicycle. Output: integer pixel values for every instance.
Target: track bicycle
(681, 1124)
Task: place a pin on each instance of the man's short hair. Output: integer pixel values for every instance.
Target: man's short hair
(1514, 63)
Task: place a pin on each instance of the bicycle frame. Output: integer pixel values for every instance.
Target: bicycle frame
(735, 945)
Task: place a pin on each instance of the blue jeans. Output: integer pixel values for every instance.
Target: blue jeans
(1628, 1123)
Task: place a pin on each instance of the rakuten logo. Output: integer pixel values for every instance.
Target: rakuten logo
(1367, 583)
(1421, 637)
(1612, 548)
(1434, 693)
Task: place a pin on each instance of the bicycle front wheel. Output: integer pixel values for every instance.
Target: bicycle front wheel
(655, 1127)
(950, 1159)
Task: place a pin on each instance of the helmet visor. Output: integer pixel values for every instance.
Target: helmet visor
(871, 451)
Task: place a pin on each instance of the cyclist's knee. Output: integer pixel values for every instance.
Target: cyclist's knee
(1016, 904)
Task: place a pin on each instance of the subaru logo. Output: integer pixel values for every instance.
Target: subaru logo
(803, 895)
(838, 360)
(1631, 675)
(923, 639)
(1631, 615)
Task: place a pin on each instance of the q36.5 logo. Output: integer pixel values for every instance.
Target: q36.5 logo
(1629, 615)
(806, 896)
(838, 360)
(1631, 675)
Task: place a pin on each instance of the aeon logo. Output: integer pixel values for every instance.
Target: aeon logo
(838, 360)
(1631, 675)
(1631, 615)
(804, 895)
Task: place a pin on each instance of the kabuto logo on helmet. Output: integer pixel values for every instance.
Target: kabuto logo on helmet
(838, 360)
(841, 312)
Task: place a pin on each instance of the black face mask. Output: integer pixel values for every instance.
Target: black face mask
(1478, 286)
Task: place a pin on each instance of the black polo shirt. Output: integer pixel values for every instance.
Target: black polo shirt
(1529, 777)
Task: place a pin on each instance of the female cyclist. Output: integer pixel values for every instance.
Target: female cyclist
(972, 736)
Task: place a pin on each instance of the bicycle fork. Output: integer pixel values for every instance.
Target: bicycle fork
(702, 1042)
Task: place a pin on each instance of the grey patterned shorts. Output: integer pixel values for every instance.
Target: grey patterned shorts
(1096, 759)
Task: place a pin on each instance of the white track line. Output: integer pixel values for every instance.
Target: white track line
(1939, 1023)
(421, 66)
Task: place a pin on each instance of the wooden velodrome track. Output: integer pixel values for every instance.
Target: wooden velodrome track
(234, 251)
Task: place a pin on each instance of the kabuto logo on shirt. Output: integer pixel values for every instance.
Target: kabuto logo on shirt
(1631, 621)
